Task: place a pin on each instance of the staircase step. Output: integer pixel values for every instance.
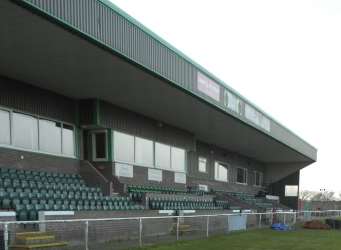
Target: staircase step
(36, 239)
(33, 234)
(47, 246)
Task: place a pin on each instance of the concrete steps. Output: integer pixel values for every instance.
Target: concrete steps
(37, 240)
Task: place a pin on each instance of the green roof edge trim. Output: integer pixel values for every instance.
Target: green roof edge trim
(112, 6)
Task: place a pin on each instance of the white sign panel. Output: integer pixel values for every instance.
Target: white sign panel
(208, 86)
(154, 175)
(257, 118)
(124, 170)
(180, 178)
(291, 191)
(203, 187)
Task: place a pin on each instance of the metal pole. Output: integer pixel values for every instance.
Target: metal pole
(177, 228)
(207, 225)
(140, 232)
(87, 235)
(260, 220)
(284, 219)
(6, 236)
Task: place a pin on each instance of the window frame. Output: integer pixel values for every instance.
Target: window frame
(260, 178)
(153, 150)
(170, 157)
(93, 145)
(201, 159)
(113, 149)
(227, 171)
(9, 127)
(38, 151)
(245, 176)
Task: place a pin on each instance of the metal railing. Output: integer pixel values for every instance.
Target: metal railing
(120, 233)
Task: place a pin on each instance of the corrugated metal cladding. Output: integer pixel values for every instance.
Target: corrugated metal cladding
(26, 98)
(111, 28)
(129, 122)
(102, 23)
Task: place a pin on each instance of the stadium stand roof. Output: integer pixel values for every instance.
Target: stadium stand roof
(98, 51)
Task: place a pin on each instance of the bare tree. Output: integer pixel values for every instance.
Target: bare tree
(306, 195)
(324, 196)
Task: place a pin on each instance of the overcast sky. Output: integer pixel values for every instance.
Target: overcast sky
(285, 56)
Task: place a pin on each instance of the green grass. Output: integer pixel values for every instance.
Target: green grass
(263, 240)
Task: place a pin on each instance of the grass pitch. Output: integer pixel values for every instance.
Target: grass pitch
(263, 240)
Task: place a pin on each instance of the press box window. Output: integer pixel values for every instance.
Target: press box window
(5, 127)
(162, 156)
(144, 152)
(202, 164)
(25, 131)
(178, 159)
(220, 172)
(68, 140)
(123, 147)
(258, 178)
(50, 136)
(242, 175)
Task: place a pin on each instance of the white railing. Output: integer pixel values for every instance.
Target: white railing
(113, 233)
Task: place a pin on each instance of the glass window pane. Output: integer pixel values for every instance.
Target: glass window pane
(162, 156)
(68, 140)
(144, 152)
(5, 132)
(25, 131)
(202, 164)
(178, 159)
(50, 138)
(123, 147)
(220, 172)
(241, 175)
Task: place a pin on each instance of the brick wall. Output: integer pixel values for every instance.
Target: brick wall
(10, 158)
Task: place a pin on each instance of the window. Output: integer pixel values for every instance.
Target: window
(123, 147)
(144, 152)
(202, 164)
(178, 159)
(68, 136)
(162, 156)
(257, 118)
(5, 128)
(242, 175)
(220, 172)
(258, 179)
(232, 101)
(50, 139)
(25, 131)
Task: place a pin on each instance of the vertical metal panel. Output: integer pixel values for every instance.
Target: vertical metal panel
(93, 18)
(26, 98)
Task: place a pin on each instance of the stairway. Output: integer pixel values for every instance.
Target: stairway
(36, 240)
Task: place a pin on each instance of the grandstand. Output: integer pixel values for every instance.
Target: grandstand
(98, 114)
